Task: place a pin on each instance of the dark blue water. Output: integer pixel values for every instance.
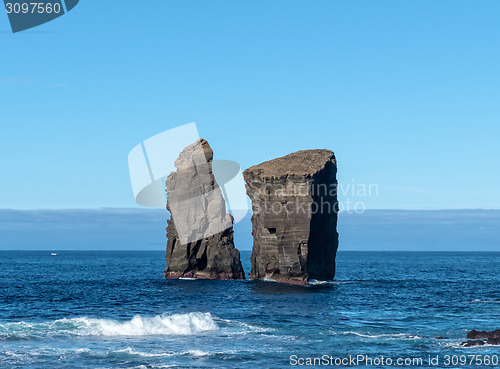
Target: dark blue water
(115, 310)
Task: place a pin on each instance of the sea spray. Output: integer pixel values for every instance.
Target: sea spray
(176, 324)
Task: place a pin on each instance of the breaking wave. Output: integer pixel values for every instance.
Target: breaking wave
(177, 324)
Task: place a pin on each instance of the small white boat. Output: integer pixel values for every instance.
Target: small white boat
(53, 253)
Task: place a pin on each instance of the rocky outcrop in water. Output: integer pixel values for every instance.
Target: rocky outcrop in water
(200, 231)
(480, 338)
(294, 222)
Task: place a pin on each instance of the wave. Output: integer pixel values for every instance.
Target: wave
(384, 336)
(458, 345)
(246, 327)
(197, 353)
(267, 279)
(314, 282)
(177, 324)
(133, 352)
(102, 353)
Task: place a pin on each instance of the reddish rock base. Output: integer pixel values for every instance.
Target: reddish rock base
(296, 281)
(200, 275)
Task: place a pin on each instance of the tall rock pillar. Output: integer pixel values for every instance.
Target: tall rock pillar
(294, 222)
(200, 231)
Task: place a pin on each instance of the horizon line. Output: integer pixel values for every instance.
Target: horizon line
(249, 250)
(345, 211)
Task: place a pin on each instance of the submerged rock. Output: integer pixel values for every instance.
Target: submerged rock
(473, 343)
(494, 341)
(200, 231)
(294, 201)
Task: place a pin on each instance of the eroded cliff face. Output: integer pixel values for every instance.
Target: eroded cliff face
(200, 232)
(294, 222)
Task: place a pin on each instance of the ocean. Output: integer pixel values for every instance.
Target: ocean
(114, 309)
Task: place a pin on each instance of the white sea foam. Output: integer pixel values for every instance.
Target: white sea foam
(198, 353)
(477, 301)
(314, 282)
(177, 324)
(155, 366)
(247, 327)
(459, 345)
(267, 279)
(131, 351)
(384, 336)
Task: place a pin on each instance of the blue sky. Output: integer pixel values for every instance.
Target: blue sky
(405, 92)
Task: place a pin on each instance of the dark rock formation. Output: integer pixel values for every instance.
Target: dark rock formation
(473, 343)
(482, 337)
(200, 232)
(475, 335)
(294, 201)
(494, 341)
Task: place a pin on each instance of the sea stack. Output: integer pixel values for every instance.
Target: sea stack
(200, 231)
(294, 222)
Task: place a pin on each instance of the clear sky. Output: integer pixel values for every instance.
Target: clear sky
(407, 94)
